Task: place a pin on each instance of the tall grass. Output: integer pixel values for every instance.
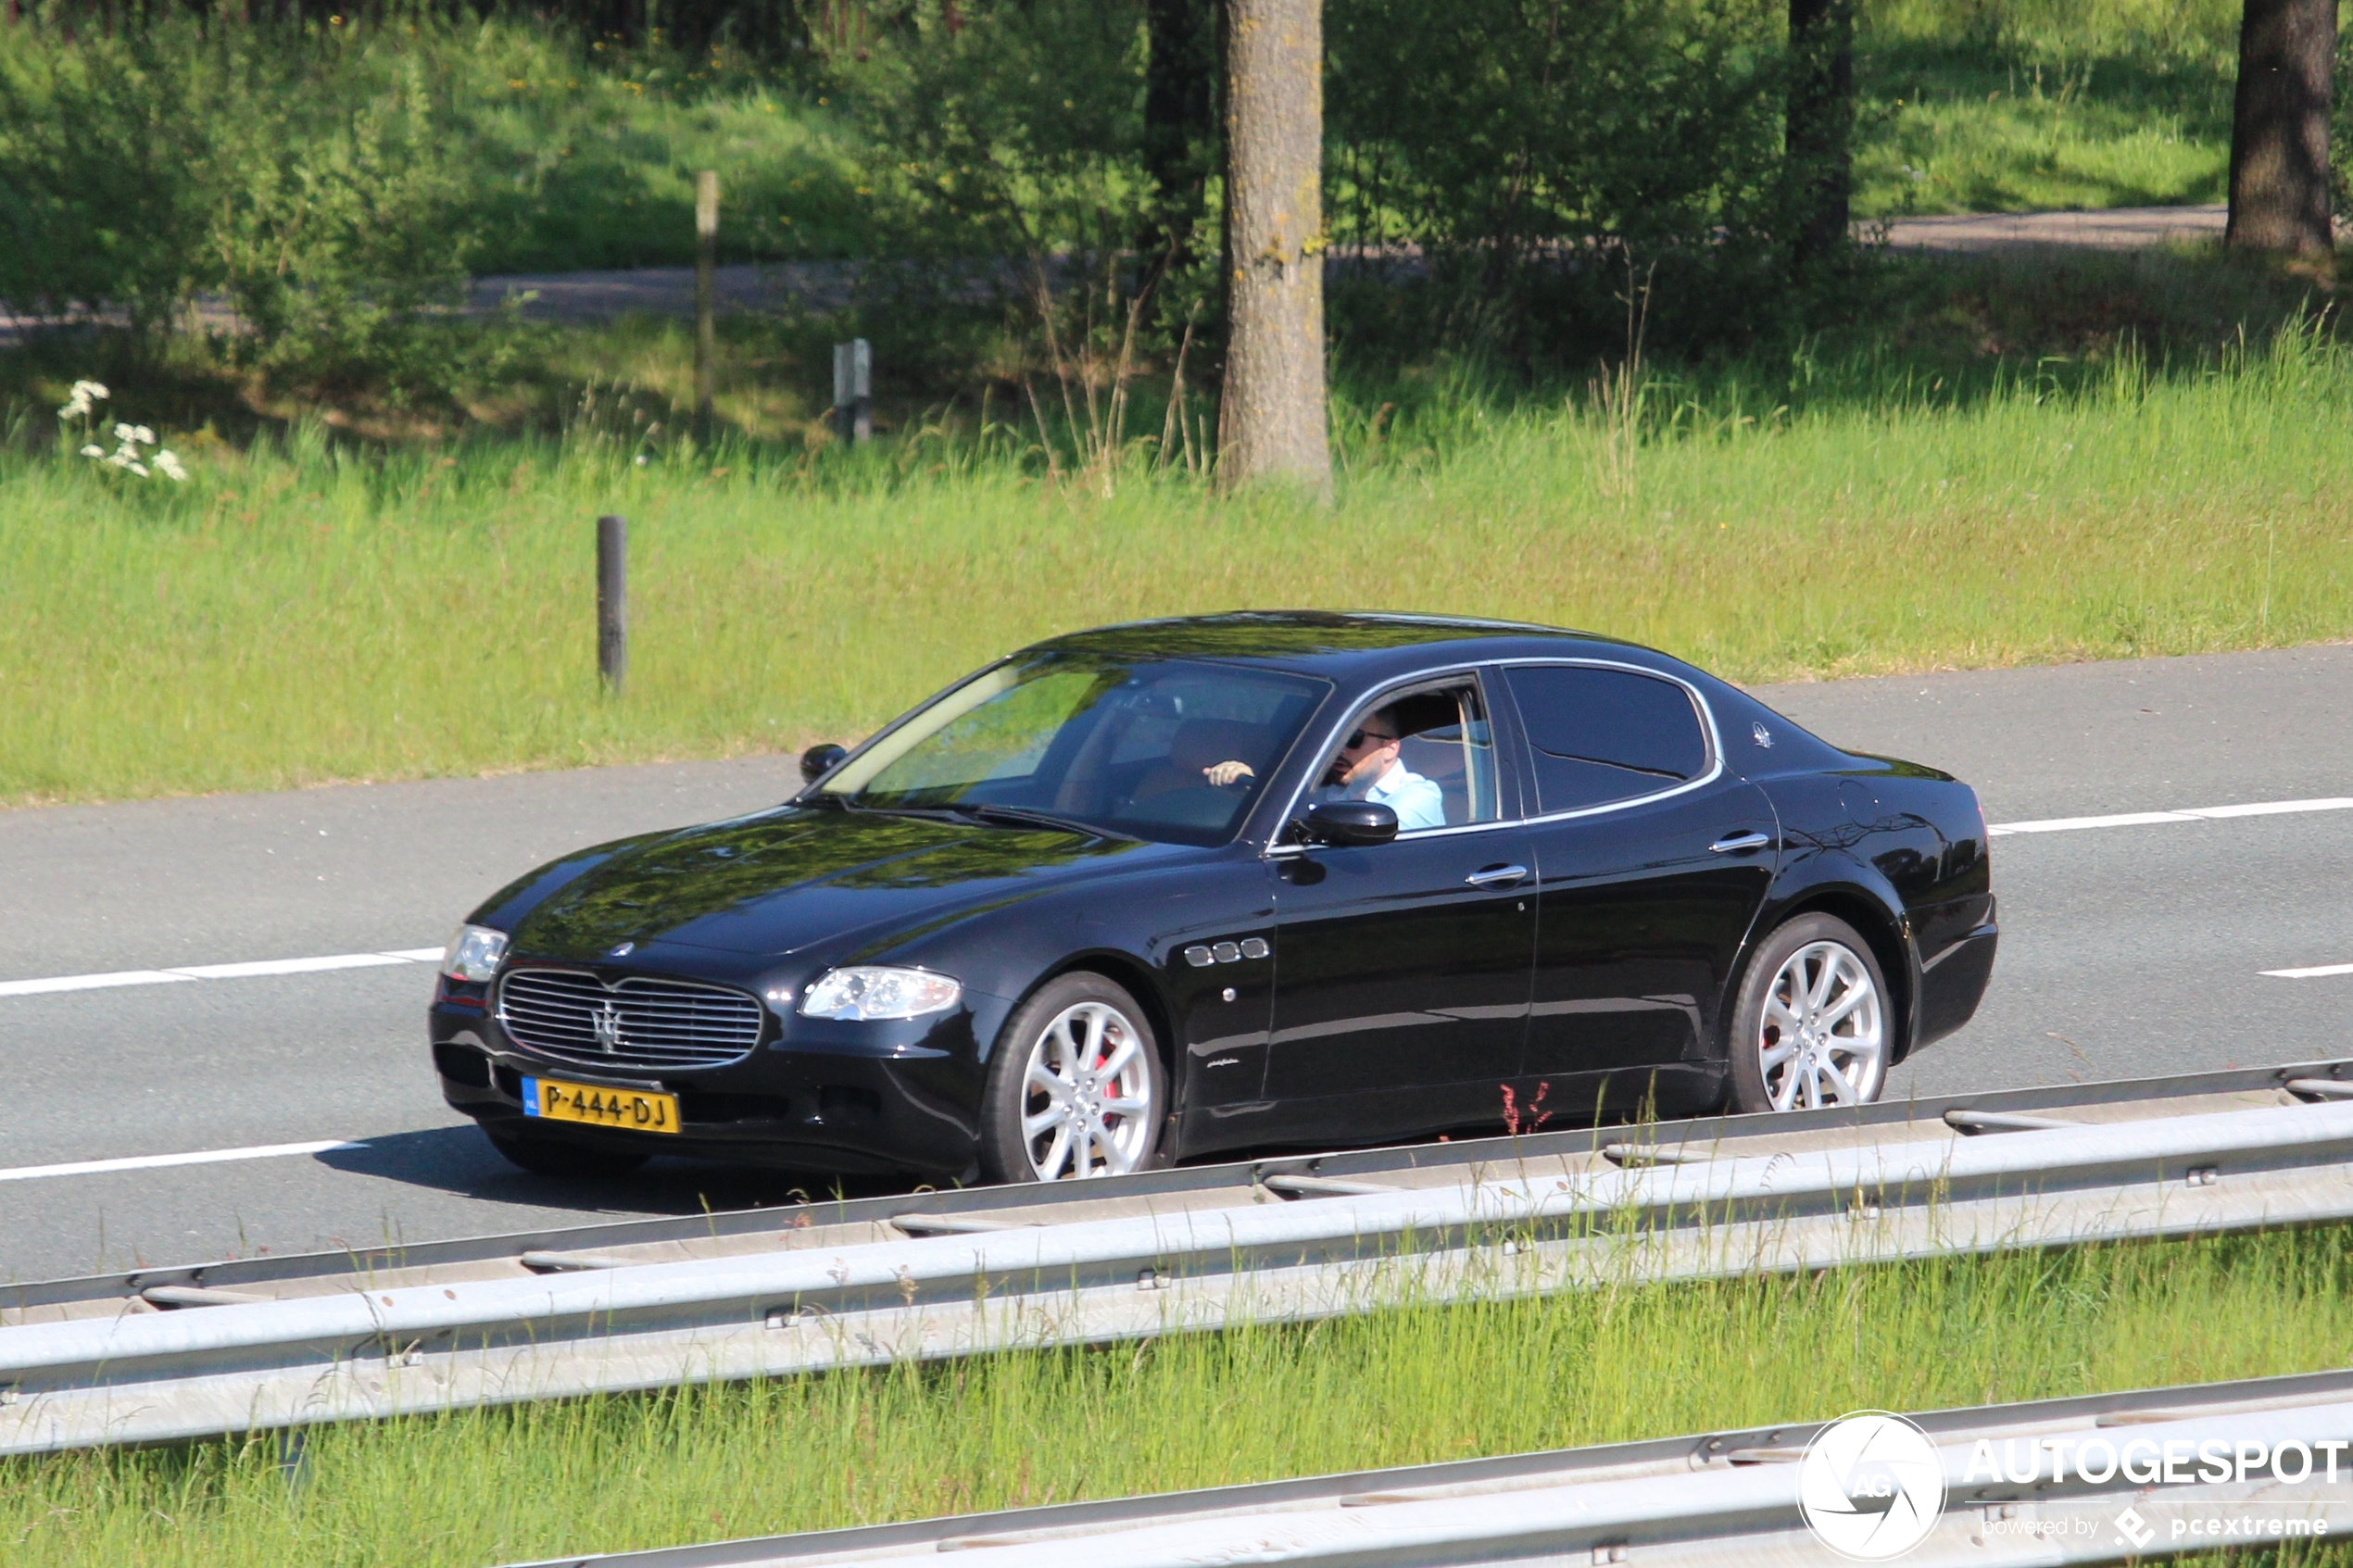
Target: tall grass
(300, 613)
(1416, 1385)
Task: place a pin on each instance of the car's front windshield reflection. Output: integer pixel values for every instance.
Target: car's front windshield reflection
(1173, 750)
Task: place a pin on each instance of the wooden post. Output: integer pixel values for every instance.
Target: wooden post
(853, 391)
(612, 602)
(706, 286)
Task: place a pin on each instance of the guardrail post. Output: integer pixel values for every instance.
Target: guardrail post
(853, 391)
(612, 602)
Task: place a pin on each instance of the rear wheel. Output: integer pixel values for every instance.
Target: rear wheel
(1813, 1026)
(570, 1161)
(1077, 1088)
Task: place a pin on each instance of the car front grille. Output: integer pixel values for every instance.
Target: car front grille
(637, 1022)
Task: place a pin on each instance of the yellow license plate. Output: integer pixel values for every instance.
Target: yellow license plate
(639, 1111)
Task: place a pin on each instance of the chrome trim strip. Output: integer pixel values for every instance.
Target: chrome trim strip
(1331, 739)
(1708, 722)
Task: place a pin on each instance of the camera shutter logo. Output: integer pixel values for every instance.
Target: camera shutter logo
(1871, 1487)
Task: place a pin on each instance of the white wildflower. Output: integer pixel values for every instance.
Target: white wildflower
(129, 441)
(85, 394)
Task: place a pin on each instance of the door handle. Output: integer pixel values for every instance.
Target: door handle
(1498, 876)
(1740, 843)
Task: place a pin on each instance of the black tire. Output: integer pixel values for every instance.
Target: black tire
(1857, 1068)
(1125, 1141)
(567, 1162)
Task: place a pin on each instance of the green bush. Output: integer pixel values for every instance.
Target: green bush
(325, 191)
(1545, 157)
(308, 182)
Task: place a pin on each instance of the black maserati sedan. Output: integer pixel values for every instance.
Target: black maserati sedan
(1258, 880)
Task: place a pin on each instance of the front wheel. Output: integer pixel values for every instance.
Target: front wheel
(1077, 1088)
(1813, 1026)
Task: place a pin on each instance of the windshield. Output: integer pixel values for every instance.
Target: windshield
(1167, 750)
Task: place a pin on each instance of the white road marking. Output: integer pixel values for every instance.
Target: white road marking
(2186, 814)
(217, 972)
(2316, 972)
(156, 1162)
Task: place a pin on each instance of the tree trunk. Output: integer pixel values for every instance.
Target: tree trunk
(1820, 131)
(2280, 128)
(1178, 129)
(1271, 418)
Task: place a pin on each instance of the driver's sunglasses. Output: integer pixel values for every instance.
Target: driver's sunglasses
(1357, 738)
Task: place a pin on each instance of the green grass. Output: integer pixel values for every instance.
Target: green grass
(304, 611)
(1954, 132)
(586, 153)
(1405, 1387)
(2025, 105)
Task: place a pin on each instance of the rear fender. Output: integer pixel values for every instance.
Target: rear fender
(1832, 881)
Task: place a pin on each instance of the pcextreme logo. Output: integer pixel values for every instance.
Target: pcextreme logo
(1871, 1487)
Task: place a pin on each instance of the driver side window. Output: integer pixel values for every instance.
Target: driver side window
(1428, 754)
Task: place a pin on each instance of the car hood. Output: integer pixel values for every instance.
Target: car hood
(784, 879)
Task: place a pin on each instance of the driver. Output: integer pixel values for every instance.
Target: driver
(1368, 769)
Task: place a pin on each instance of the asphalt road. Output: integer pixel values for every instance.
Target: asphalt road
(2126, 951)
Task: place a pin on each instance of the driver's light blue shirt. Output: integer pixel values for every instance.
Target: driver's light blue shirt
(1417, 802)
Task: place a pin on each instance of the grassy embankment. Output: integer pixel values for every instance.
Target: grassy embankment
(1406, 1386)
(2025, 105)
(296, 614)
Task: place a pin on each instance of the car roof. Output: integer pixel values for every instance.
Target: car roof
(1344, 644)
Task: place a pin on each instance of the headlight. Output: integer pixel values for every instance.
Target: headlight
(473, 954)
(869, 991)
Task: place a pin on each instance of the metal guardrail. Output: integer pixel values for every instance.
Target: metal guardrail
(649, 1304)
(1701, 1501)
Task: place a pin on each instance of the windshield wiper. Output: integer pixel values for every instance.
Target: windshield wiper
(1021, 816)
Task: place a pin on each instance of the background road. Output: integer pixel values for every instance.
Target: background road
(2126, 951)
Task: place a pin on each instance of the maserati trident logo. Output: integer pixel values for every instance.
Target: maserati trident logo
(605, 1021)
(622, 950)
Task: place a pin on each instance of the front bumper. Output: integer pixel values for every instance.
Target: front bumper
(834, 1098)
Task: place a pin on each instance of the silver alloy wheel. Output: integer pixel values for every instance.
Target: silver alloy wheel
(1822, 1039)
(1087, 1094)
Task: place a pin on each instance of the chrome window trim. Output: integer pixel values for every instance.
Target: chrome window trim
(1708, 729)
(1331, 740)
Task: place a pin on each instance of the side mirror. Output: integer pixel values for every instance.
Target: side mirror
(1345, 823)
(819, 760)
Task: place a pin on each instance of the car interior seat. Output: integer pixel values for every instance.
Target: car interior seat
(1438, 756)
(1201, 743)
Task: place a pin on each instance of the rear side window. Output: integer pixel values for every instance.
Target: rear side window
(1600, 736)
